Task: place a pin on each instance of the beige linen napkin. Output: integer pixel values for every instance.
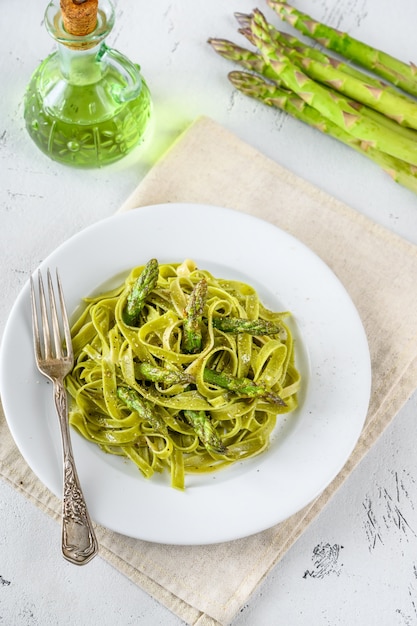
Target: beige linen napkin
(208, 584)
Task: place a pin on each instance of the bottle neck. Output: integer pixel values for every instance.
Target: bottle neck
(80, 67)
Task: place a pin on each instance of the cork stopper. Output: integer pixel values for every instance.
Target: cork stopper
(79, 16)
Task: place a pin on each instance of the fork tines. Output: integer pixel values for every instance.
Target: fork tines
(44, 348)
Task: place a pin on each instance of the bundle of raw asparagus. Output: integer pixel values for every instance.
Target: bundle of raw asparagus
(374, 112)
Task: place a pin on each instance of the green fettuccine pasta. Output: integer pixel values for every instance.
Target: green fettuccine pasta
(180, 371)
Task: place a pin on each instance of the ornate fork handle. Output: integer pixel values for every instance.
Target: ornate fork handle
(79, 543)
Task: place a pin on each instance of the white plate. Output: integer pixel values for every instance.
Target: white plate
(309, 447)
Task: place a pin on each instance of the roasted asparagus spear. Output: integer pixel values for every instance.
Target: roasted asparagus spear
(193, 316)
(205, 431)
(141, 289)
(143, 407)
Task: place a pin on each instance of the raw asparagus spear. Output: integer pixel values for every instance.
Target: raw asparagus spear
(402, 110)
(156, 374)
(337, 109)
(193, 316)
(252, 61)
(280, 98)
(141, 289)
(389, 68)
(143, 407)
(341, 76)
(289, 41)
(252, 327)
(205, 431)
(241, 386)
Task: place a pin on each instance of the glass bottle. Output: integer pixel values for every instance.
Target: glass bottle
(86, 105)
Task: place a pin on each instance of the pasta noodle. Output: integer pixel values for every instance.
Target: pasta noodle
(140, 391)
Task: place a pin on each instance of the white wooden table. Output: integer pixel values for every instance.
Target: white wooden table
(357, 563)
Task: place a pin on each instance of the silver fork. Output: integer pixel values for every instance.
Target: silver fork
(54, 359)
